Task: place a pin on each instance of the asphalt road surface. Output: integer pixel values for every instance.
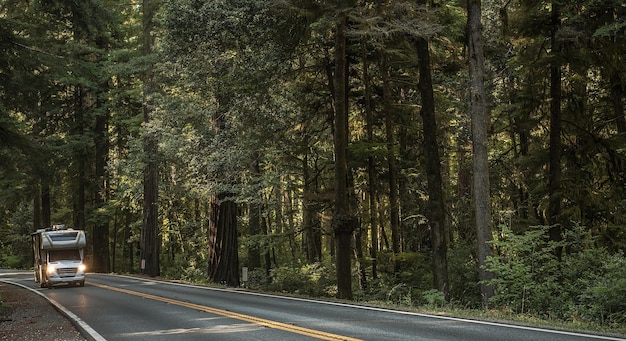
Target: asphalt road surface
(126, 308)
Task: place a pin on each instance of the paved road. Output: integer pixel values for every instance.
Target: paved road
(126, 308)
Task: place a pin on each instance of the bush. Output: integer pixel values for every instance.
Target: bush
(312, 280)
(400, 294)
(434, 298)
(11, 262)
(588, 282)
(527, 272)
(463, 276)
(604, 300)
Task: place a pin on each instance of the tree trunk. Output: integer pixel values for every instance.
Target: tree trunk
(436, 207)
(617, 93)
(101, 254)
(46, 217)
(223, 241)
(371, 172)
(554, 205)
(81, 161)
(394, 214)
(312, 229)
(37, 205)
(267, 256)
(114, 241)
(254, 222)
(343, 220)
(150, 234)
(480, 124)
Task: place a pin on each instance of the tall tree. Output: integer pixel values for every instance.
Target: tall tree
(555, 194)
(435, 211)
(223, 253)
(100, 187)
(343, 219)
(150, 232)
(394, 209)
(480, 125)
(371, 171)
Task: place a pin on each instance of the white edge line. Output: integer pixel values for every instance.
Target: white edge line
(86, 329)
(447, 318)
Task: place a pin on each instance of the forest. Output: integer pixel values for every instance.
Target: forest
(414, 152)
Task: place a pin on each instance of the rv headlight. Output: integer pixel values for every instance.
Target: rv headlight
(51, 269)
(82, 268)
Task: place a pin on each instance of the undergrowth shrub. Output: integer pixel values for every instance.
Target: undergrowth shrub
(464, 287)
(434, 298)
(604, 299)
(587, 282)
(317, 280)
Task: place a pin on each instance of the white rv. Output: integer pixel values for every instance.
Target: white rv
(59, 255)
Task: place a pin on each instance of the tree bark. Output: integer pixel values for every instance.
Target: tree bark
(101, 254)
(343, 220)
(312, 229)
(254, 222)
(554, 205)
(223, 241)
(81, 161)
(480, 124)
(436, 206)
(394, 214)
(46, 217)
(371, 172)
(150, 234)
(37, 205)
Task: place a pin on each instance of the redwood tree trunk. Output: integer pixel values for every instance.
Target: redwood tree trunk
(436, 206)
(480, 124)
(101, 254)
(150, 235)
(254, 222)
(312, 229)
(371, 172)
(394, 214)
(46, 217)
(223, 241)
(554, 205)
(343, 220)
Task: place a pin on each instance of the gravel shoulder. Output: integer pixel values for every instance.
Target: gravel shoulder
(26, 316)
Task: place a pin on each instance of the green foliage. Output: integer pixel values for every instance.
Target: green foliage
(434, 298)
(526, 271)
(182, 268)
(400, 294)
(587, 283)
(15, 243)
(414, 270)
(463, 276)
(602, 296)
(316, 280)
(9, 261)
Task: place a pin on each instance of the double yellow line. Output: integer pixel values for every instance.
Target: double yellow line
(263, 322)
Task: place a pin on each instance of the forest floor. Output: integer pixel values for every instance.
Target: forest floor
(26, 316)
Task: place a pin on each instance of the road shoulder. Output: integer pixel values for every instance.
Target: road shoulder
(25, 315)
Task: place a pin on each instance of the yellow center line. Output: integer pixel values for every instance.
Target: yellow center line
(263, 322)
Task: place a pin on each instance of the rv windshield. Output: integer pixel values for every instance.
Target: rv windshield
(57, 255)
